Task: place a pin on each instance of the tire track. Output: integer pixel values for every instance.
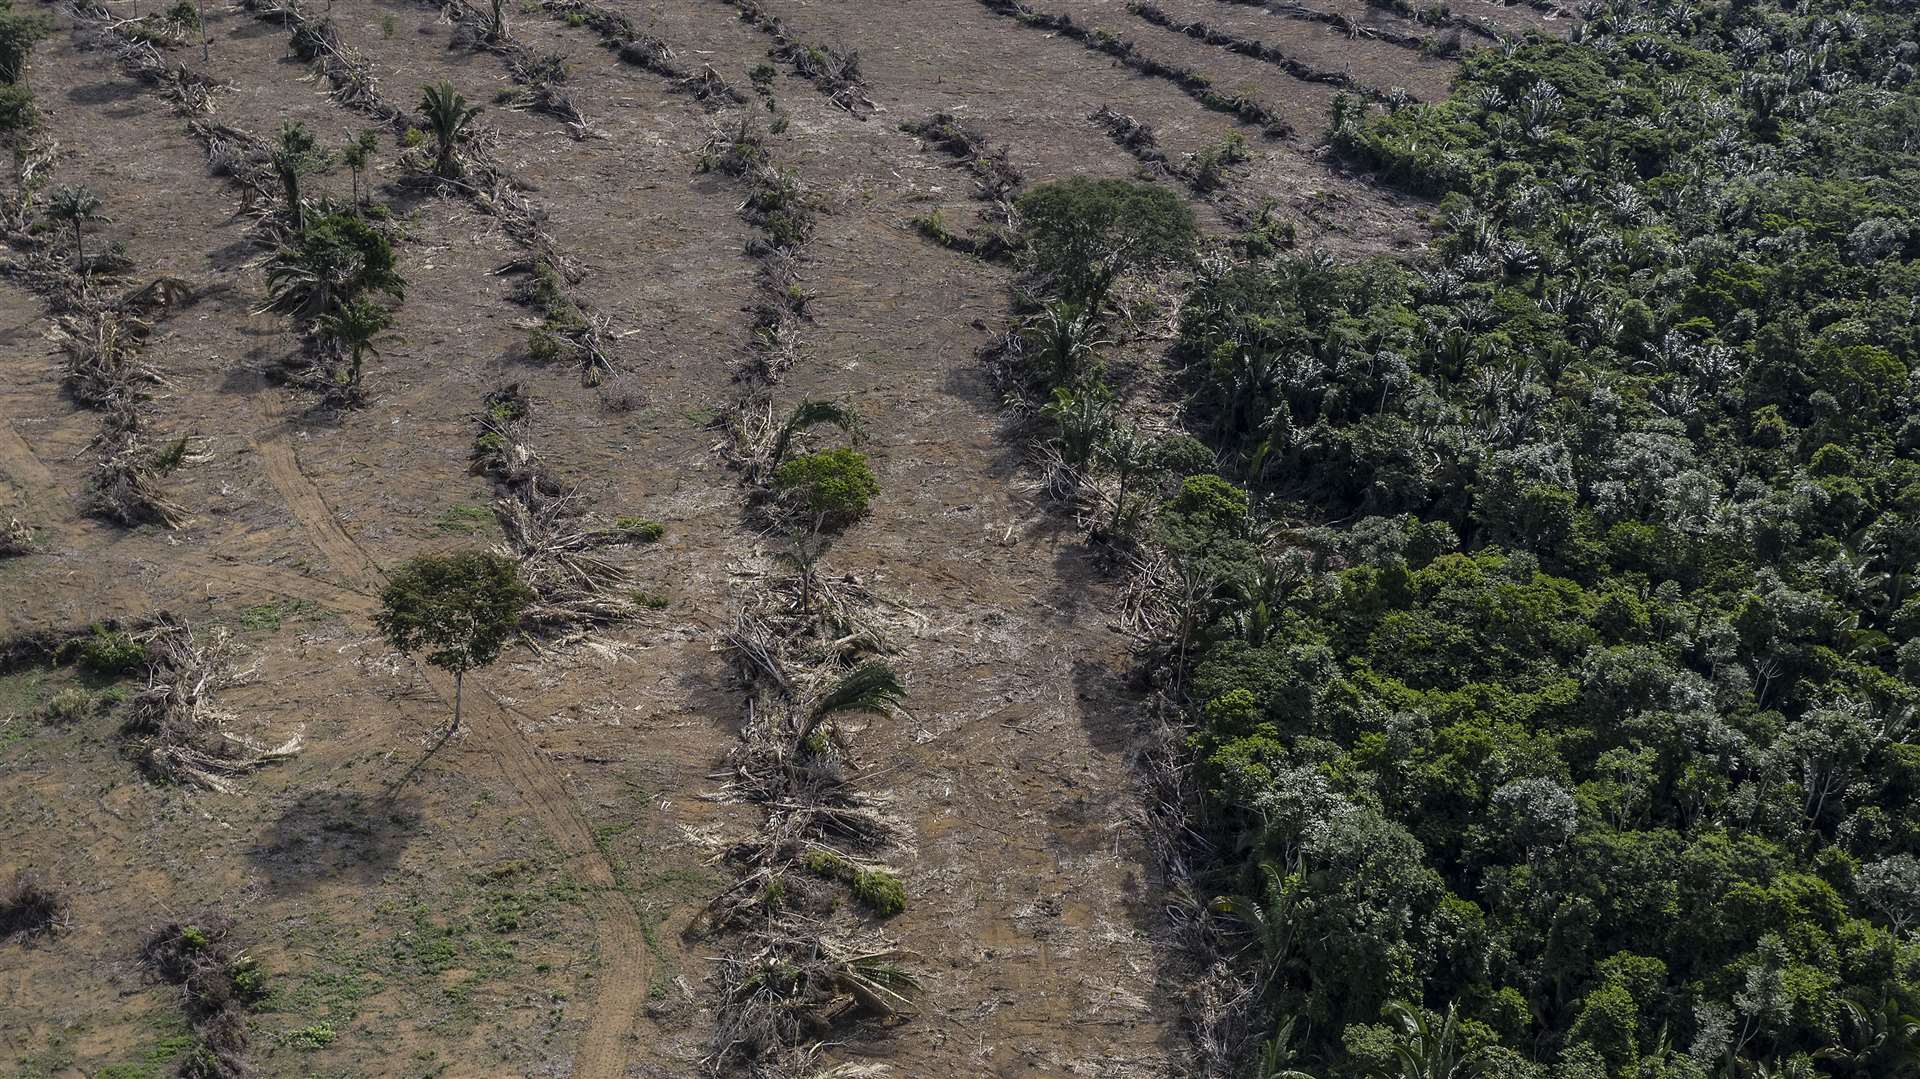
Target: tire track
(627, 971)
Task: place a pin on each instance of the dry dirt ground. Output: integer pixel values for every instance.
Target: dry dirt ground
(514, 901)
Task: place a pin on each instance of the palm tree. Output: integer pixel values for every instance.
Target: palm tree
(1426, 1050)
(872, 687)
(449, 120)
(295, 154)
(75, 205)
(359, 327)
(359, 156)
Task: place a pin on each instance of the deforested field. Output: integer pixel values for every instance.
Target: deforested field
(968, 537)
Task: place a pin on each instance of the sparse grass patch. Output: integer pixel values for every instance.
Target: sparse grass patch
(465, 519)
(269, 616)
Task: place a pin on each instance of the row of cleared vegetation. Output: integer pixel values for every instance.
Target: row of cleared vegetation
(801, 967)
(100, 316)
(1263, 52)
(1242, 106)
(833, 70)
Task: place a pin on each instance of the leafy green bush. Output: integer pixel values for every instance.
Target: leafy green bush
(106, 653)
(835, 486)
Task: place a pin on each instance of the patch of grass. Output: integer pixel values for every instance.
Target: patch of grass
(652, 601)
(22, 693)
(104, 653)
(639, 529)
(309, 1038)
(267, 617)
(465, 519)
(156, 1059)
(880, 892)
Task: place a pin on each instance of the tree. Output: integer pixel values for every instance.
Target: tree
(297, 153)
(359, 157)
(358, 326)
(18, 35)
(338, 259)
(449, 120)
(459, 609)
(75, 205)
(1084, 234)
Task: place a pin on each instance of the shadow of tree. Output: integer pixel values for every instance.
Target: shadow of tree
(335, 835)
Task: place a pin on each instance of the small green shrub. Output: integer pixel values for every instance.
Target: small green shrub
(105, 653)
(880, 891)
(835, 485)
(827, 864)
(652, 601)
(69, 706)
(639, 529)
(317, 1036)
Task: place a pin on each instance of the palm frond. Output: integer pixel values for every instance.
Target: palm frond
(809, 414)
(872, 687)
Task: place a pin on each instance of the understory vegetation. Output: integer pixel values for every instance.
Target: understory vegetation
(1544, 606)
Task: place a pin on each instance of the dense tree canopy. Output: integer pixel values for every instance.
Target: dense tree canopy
(1554, 654)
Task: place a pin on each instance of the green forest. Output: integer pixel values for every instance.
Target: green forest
(1546, 610)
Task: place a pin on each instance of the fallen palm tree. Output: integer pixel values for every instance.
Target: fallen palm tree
(175, 727)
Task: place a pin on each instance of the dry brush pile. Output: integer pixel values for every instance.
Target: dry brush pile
(1205, 172)
(833, 70)
(996, 182)
(562, 546)
(784, 212)
(647, 51)
(175, 727)
(219, 985)
(800, 965)
(102, 323)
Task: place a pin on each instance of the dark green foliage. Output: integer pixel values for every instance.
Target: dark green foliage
(1555, 671)
(338, 259)
(834, 486)
(871, 687)
(105, 653)
(459, 610)
(449, 120)
(19, 33)
(639, 529)
(297, 153)
(1084, 234)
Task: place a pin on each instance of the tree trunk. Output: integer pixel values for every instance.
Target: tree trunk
(458, 676)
